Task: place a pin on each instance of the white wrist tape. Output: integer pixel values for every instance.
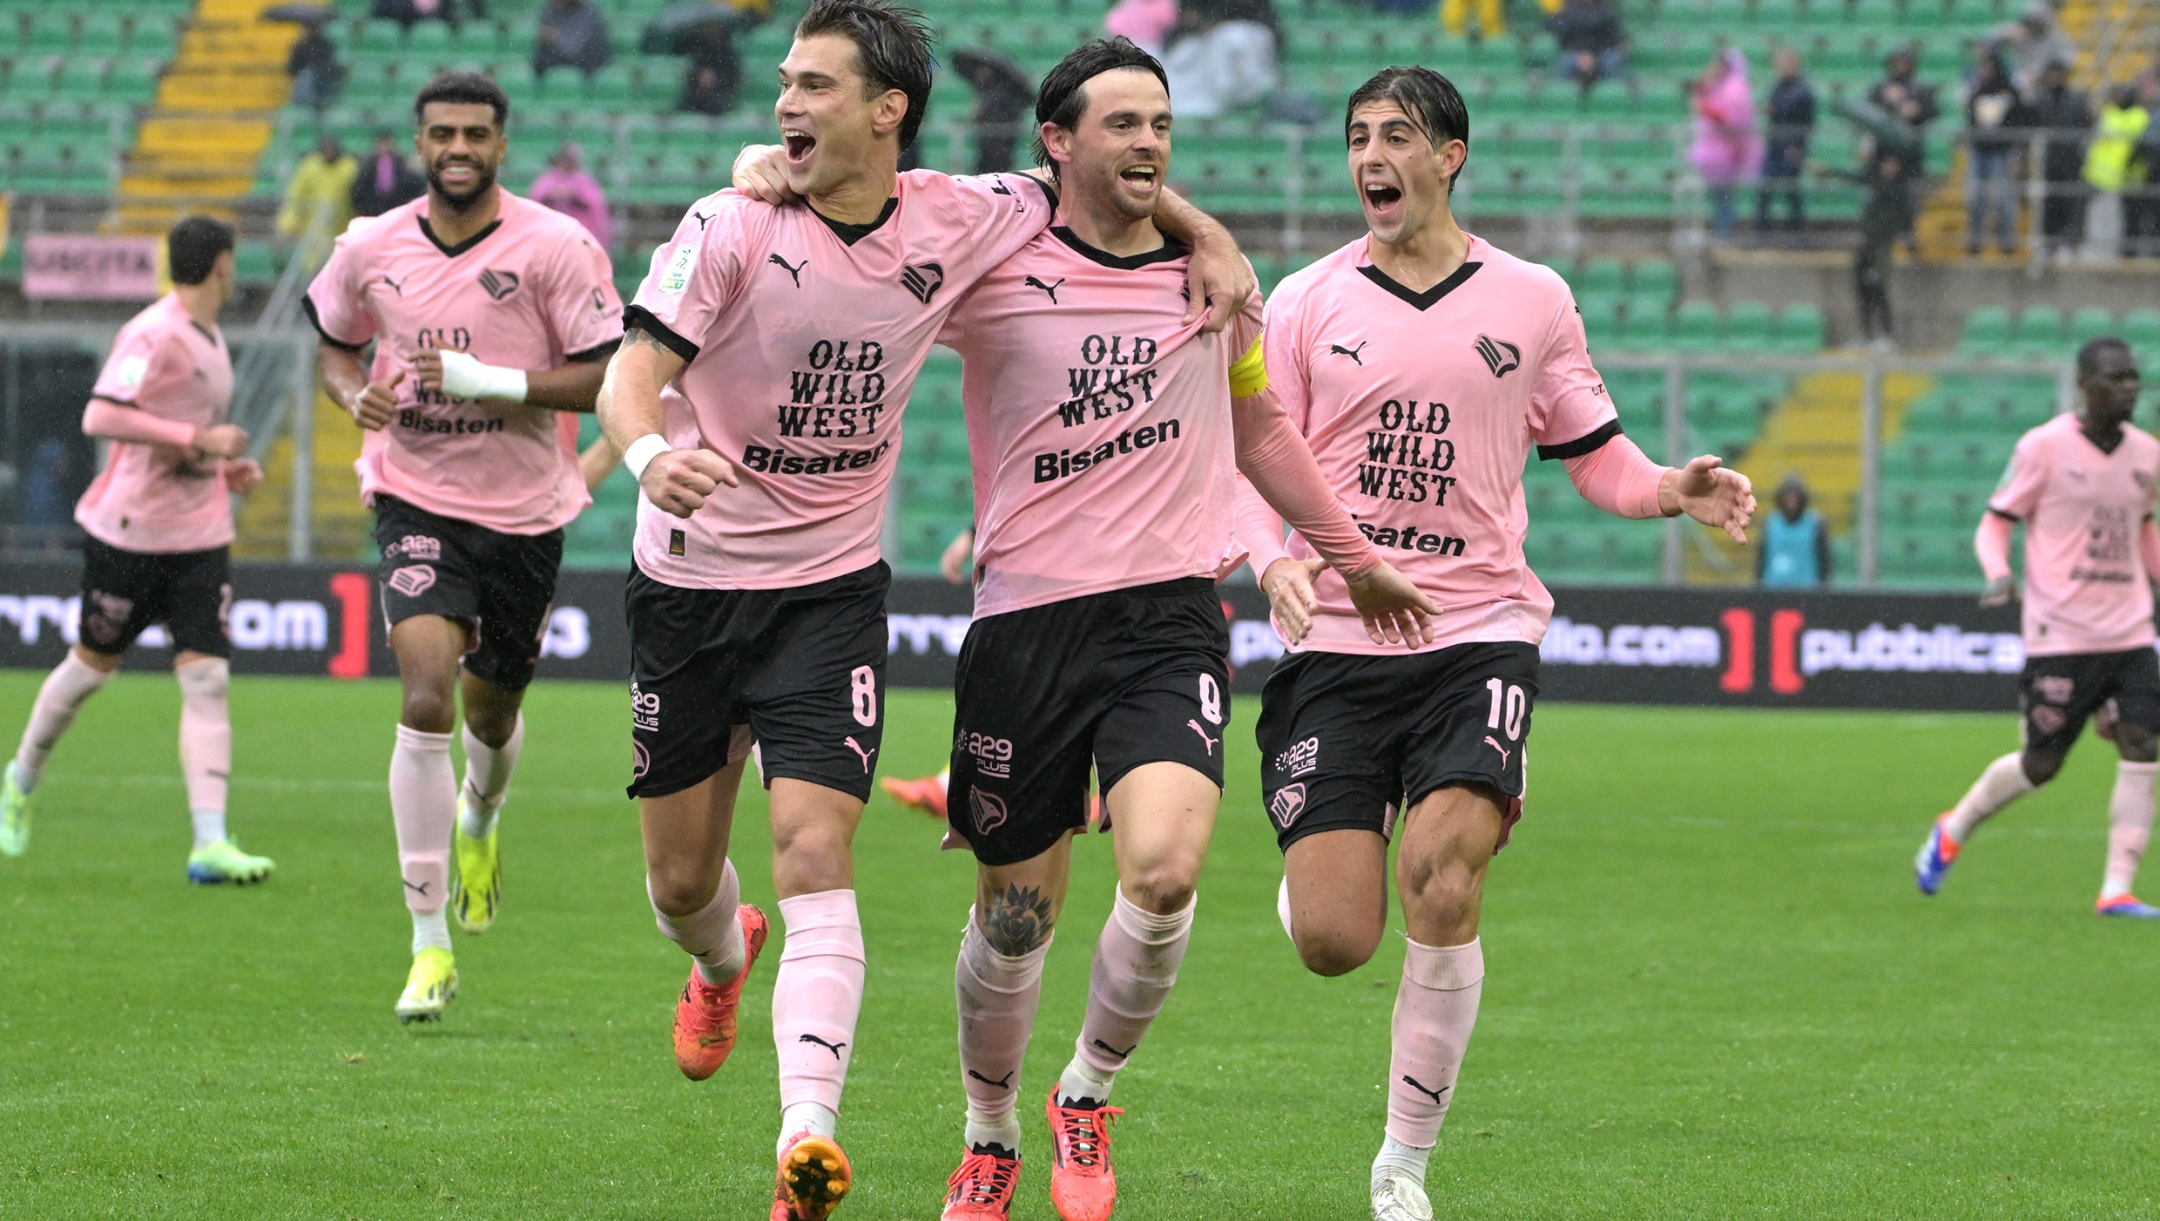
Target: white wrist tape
(464, 377)
(642, 451)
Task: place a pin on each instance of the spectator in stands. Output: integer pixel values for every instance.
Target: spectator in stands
(566, 187)
(1992, 112)
(385, 180)
(1727, 149)
(1222, 56)
(2064, 118)
(1884, 217)
(406, 12)
(1791, 115)
(1146, 23)
(318, 201)
(1591, 42)
(571, 32)
(1903, 99)
(1455, 16)
(2141, 200)
(714, 71)
(2108, 170)
(1795, 548)
(1004, 95)
(2031, 43)
(317, 76)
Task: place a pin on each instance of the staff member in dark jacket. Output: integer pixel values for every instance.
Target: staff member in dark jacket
(1791, 112)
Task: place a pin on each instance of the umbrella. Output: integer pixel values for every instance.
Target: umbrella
(298, 14)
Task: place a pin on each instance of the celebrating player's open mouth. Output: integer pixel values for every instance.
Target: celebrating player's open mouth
(799, 144)
(1383, 200)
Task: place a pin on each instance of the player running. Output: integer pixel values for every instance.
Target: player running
(158, 547)
(489, 314)
(1423, 365)
(757, 399)
(1107, 436)
(2083, 485)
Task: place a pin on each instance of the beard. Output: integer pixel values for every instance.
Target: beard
(483, 179)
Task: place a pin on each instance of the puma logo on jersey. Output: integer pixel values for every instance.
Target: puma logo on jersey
(1051, 289)
(922, 279)
(794, 272)
(1500, 356)
(394, 286)
(1412, 1082)
(701, 218)
(834, 1048)
(1496, 746)
(1336, 349)
(499, 284)
(852, 745)
(1195, 726)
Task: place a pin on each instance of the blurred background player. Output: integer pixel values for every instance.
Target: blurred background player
(489, 314)
(158, 548)
(1418, 350)
(2082, 484)
(757, 601)
(1106, 486)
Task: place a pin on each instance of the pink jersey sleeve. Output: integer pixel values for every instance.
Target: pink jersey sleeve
(1009, 210)
(2149, 549)
(694, 276)
(1568, 403)
(1282, 345)
(1991, 544)
(1259, 529)
(2022, 481)
(580, 300)
(107, 420)
(1618, 478)
(1271, 454)
(138, 365)
(334, 299)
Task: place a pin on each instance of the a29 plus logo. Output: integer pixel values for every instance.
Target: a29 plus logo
(644, 709)
(992, 755)
(1300, 759)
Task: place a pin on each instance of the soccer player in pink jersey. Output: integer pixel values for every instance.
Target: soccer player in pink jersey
(2083, 485)
(1423, 365)
(757, 399)
(158, 533)
(489, 315)
(1107, 436)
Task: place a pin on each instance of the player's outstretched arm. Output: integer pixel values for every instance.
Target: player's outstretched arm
(370, 403)
(598, 461)
(1704, 490)
(1991, 546)
(106, 420)
(677, 481)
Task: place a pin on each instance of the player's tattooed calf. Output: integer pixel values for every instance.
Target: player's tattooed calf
(1017, 921)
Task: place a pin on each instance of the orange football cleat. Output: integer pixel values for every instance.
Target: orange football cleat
(926, 794)
(814, 1177)
(705, 1016)
(1083, 1187)
(982, 1188)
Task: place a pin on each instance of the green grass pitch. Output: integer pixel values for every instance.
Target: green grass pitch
(1712, 992)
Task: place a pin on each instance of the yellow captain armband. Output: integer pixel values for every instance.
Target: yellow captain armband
(1248, 376)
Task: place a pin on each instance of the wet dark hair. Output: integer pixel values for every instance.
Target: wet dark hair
(2088, 357)
(470, 88)
(892, 43)
(1431, 100)
(193, 247)
(1062, 98)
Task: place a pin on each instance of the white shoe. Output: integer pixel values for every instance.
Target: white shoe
(1282, 908)
(1398, 1197)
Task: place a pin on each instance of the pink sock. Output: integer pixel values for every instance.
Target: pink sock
(817, 996)
(1136, 962)
(423, 804)
(2002, 783)
(998, 997)
(1435, 1009)
(70, 684)
(205, 742)
(712, 934)
(487, 777)
(2130, 821)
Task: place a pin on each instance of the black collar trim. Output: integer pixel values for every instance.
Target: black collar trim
(1431, 296)
(851, 234)
(451, 252)
(1170, 251)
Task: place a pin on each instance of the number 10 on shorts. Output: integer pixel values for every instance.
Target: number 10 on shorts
(862, 689)
(1508, 705)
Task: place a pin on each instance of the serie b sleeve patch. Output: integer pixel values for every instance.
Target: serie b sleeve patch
(675, 277)
(1248, 376)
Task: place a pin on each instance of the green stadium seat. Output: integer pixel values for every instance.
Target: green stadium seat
(428, 42)
(2040, 331)
(1605, 277)
(1601, 319)
(81, 79)
(1800, 327)
(1879, 14)
(1646, 324)
(101, 34)
(1657, 278)
(1780, 15)
(51, 33)
(2141, 329)
(1748, 326)
(133, 81)
(2091, 322)
(1695, 326)
(1987, 330)
(255, 263)
(153, 37)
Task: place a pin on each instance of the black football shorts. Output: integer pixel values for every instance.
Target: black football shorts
(2057, 693)
(1350, 740)
(1102, 683)
(500, 586)
(123, 592)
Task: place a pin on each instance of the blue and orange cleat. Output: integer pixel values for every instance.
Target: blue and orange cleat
(1936, 857)
(705, 1016)
(2126, 905)
(814, 1177)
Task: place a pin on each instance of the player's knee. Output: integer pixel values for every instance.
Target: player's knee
(1335, 951)
(1164, 889)
(491, 726)
(680, 888)
(2137, 743)
(429, 711)
(812, 858)
(2041, 765)
(1442, 891)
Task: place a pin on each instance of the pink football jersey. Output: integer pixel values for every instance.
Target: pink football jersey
(2086, 590)
(1421, 409)
(155, 497)
(530, 292)
(803, 338)
(1099, 424)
